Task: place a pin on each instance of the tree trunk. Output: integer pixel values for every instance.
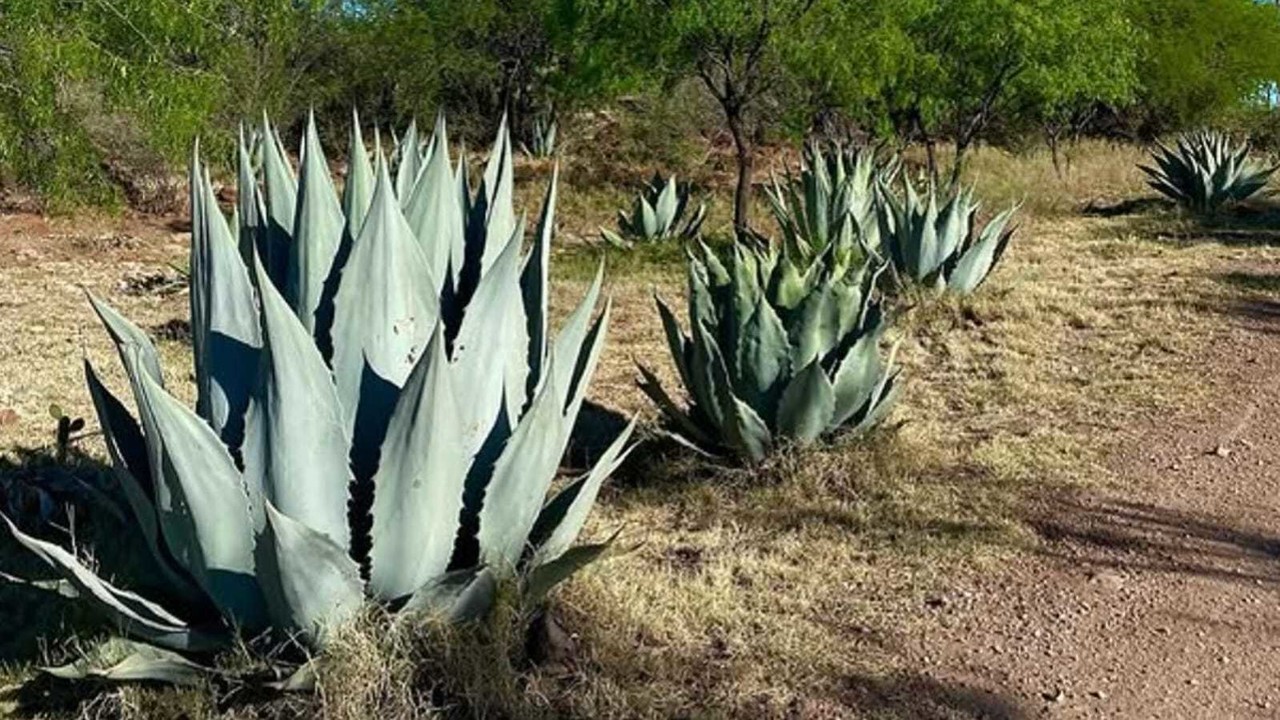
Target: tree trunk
(746, 166)
(957, 168)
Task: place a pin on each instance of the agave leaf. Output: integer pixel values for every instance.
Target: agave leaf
(561, 519)
(410, 164)
(124, 334)
(651, 386)
(744, 430)
(419, 484)
(129, 458)
(296, 444)
(61, 588)
(818, 328)
(457, 597)
(132, 613)
(144, 663)
(649, 225)
(584, 367)
(202, 504)
(664, 207)
(432, 211)
(224, 325)
(384, 311)
(763, 359)
(491, 347)
(311, 585)
(677, 342)
(534, 287)
(857, 376)
(977, 261)
(248, 203)
(543, 578)
(499, 190)
(807, 404)
(317, 232)
(520, 479)
(357, 191)
(281, 200)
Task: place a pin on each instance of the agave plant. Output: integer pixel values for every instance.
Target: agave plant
(542, 137)
(657, 215)
(776, 351)
(831, 201)
(405, 465)
(936, 240)
(1205, 170)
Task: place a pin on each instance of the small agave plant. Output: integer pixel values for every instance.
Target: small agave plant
(657, 215)
(542, 137)
(1205, 171)
(936, 240)
(776, 351)
(831, 201)
(381, 408)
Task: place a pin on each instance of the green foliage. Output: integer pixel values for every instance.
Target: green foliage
(1205, 170)
(1202, 59)
(103, 96)
(936, 240)
(777, 352)
(407, 464)
(971, 60)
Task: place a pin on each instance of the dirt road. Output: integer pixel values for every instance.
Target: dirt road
(1154, 596)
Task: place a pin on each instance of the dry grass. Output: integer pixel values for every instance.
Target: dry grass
(782, 592)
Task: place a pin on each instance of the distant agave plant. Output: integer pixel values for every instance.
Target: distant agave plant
(542, 138)
(657, 215)
(832, 201)
(1205, 170)
(936, 240)
(405, 464)
(776, 351)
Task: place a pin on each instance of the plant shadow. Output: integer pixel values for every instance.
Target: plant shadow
(1126, 535)
(50, 499)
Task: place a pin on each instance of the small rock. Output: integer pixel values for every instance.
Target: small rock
(937, 601)
(1109, 579)
(1055, 696)
(1099, 694)
(8, 417)
(1222, 451)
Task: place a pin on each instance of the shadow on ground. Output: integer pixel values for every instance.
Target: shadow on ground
(919, 697)
(1130, 536)
(44, 497)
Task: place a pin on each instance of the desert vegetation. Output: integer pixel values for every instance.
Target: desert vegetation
(581, 358)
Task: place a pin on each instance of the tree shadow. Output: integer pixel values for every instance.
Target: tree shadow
(1132, 206)
(1126, 535)
(910, 696)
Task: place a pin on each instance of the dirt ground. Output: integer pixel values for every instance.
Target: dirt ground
(1153, 597)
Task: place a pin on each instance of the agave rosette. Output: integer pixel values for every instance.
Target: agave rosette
(381, 410)
(777, 352)
(1204, 171)
(542, 137)
(831, 201)
(658, 214)
(934, 239)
